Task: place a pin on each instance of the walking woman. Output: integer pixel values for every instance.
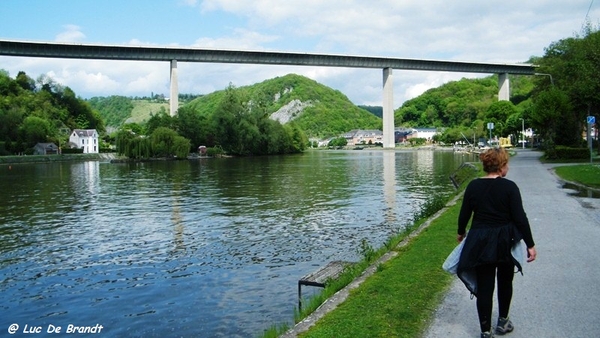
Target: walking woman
(499, 221)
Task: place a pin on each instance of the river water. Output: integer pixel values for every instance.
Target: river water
(200, 248)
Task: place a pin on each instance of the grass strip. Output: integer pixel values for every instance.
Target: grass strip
(586, 174)
(401, 297)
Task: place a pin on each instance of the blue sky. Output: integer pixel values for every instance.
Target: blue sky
(507, 31)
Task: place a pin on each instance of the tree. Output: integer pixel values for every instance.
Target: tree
(34, 130)
(498, 113)
(573, 64)
(226, 119)
(298, 138)
(194, 127)
(547, 116)
(338, 142)
(160, 119)
(25, 81)
(166, 142)
(514, 126)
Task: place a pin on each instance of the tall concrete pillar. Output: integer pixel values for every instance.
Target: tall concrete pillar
(503, 85)
(388, 109)
(174, 99)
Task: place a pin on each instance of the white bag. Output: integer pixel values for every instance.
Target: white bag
(519, 252)
(451, 263)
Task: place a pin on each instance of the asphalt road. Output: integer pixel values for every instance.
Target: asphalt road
(559, 293)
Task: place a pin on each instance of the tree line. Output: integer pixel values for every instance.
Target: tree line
(239, 125)
(40, 110)
(554, 103)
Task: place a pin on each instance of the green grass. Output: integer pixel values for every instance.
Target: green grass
(586, 174)
(142, 110)
(403, 291)
(401, 297)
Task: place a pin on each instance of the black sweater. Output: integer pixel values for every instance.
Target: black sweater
(494, 203)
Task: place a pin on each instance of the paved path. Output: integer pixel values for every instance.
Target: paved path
(559, 293)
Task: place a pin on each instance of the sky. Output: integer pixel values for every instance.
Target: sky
(508, 31)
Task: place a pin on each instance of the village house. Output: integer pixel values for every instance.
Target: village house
(401, 134)
(357, 136)
(86, 139)
(45, 149)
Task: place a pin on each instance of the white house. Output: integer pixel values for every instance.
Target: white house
(86, 139)
(426, 133)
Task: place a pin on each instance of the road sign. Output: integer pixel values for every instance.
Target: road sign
(490, 125)
(591, 119)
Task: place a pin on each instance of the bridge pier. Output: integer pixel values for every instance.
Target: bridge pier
(388, 109)
(503, 85)
(174, 99)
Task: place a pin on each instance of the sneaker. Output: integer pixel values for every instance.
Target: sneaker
(504, 326)
(487, 334)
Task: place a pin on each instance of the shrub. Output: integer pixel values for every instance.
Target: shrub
(568, 153)
(72, 150)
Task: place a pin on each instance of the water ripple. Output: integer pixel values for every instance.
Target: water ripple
(209, 247)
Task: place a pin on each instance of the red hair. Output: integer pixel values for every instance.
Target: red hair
(494, 159)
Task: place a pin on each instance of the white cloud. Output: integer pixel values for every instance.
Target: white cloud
(72, 33)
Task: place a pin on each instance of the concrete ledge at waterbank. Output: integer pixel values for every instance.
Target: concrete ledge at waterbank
(5, 160)
(339, 297)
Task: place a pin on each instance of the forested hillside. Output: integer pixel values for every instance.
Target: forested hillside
(33, 111)
(115, 110)
(316, 109)
(118, 110)
(466, 106)
(277, 115)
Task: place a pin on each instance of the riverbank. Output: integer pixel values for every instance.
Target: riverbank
(395, 296)
(10, 160)
(411, 296)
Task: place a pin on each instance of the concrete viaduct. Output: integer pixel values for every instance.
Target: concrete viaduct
(187, 54)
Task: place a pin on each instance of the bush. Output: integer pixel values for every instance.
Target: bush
(3, 151)
(568, 153)
(72, 151)
(417, 141)
(214, 152)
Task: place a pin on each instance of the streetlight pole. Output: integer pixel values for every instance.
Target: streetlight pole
(544, 74)
(523, 133)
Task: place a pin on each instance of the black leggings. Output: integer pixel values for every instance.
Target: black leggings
(485, 291)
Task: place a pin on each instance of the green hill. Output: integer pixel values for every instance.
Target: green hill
(317, 109)
(142, 109)
(461, 103)
(116, 110)
(322, 112)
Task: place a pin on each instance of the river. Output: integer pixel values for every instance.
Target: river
(199, 248)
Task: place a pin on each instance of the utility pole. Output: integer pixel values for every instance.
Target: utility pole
(523, 133)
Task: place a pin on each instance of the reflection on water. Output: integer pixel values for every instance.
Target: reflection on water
(580, 191)
(389, 185)
(212, 247)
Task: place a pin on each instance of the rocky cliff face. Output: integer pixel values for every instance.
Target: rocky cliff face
(290, 111)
